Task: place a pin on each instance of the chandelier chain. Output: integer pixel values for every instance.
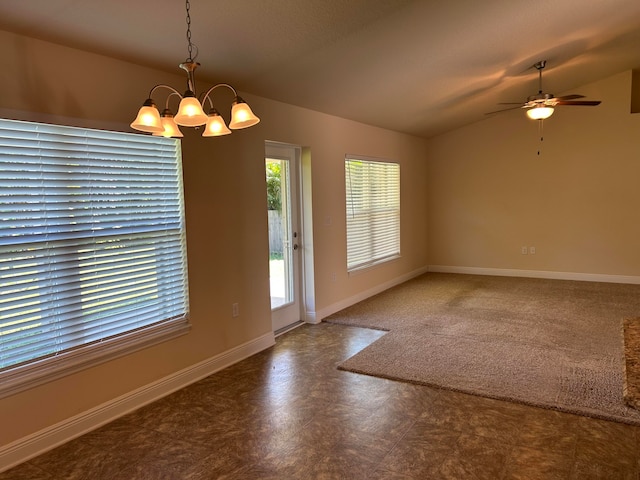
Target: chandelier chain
(190, 45)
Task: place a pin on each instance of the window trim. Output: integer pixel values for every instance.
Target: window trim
(43, 371)
(373, 262)
(38, 371)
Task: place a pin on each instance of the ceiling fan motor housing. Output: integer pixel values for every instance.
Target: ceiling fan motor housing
(540, 98)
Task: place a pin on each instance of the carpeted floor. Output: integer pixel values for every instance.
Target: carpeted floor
(631, 332)
(549, 343)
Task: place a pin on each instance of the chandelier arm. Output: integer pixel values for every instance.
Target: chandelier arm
(166, 105)
(206, 95)
(162, 85)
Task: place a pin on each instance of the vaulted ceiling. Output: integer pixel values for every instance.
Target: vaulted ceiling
(416, 66)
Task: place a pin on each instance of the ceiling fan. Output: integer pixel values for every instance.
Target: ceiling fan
(541, 105)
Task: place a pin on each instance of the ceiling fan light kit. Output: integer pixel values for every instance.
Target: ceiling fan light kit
(190, 112)
(540, 112)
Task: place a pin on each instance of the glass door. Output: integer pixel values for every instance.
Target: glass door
(285, 242)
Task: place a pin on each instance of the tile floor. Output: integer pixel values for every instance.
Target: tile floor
(288, 413)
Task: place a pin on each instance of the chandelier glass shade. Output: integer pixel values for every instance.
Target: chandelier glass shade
(215, 125)
(148, 119)
(190, 110)
(169, 126)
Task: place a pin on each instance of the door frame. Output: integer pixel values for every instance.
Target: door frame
(294, 154)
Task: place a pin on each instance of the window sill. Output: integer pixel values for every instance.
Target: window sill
(370, 266)
(18, 379)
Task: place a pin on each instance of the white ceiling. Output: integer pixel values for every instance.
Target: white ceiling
(416, 66)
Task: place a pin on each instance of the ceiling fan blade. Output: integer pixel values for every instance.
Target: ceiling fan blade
(569, 97)
(505, 109)
(510, 103)
(586, 103)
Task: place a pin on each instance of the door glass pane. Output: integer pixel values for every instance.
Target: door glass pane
(281, 239)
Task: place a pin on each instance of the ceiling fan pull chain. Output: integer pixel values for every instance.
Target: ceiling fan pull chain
(541, 135)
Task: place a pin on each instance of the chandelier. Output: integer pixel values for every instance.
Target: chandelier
(190, 111)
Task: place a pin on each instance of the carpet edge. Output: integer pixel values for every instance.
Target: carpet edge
(506, 398)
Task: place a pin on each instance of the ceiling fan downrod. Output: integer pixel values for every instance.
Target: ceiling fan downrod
(539, 66)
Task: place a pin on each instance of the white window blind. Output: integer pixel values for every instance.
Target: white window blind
(373, 211)
(92, 245)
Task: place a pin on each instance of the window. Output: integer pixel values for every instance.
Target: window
(92, 248)
(373, 211)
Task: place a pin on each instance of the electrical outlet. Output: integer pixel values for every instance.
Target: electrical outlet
(523, 250)
(235, 310)
(532, 250)
(333, 277)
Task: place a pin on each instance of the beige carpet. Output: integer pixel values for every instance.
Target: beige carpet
(549, 343)
(631, 334)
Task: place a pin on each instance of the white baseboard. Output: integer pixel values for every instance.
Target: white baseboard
(347, 302)
(311, 317)
(508, 272)
(51, 437)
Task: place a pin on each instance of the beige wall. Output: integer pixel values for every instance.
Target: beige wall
(226, 216)
(578, 202)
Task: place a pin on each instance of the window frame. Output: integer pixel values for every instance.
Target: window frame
(16, 377)
(380, 251)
